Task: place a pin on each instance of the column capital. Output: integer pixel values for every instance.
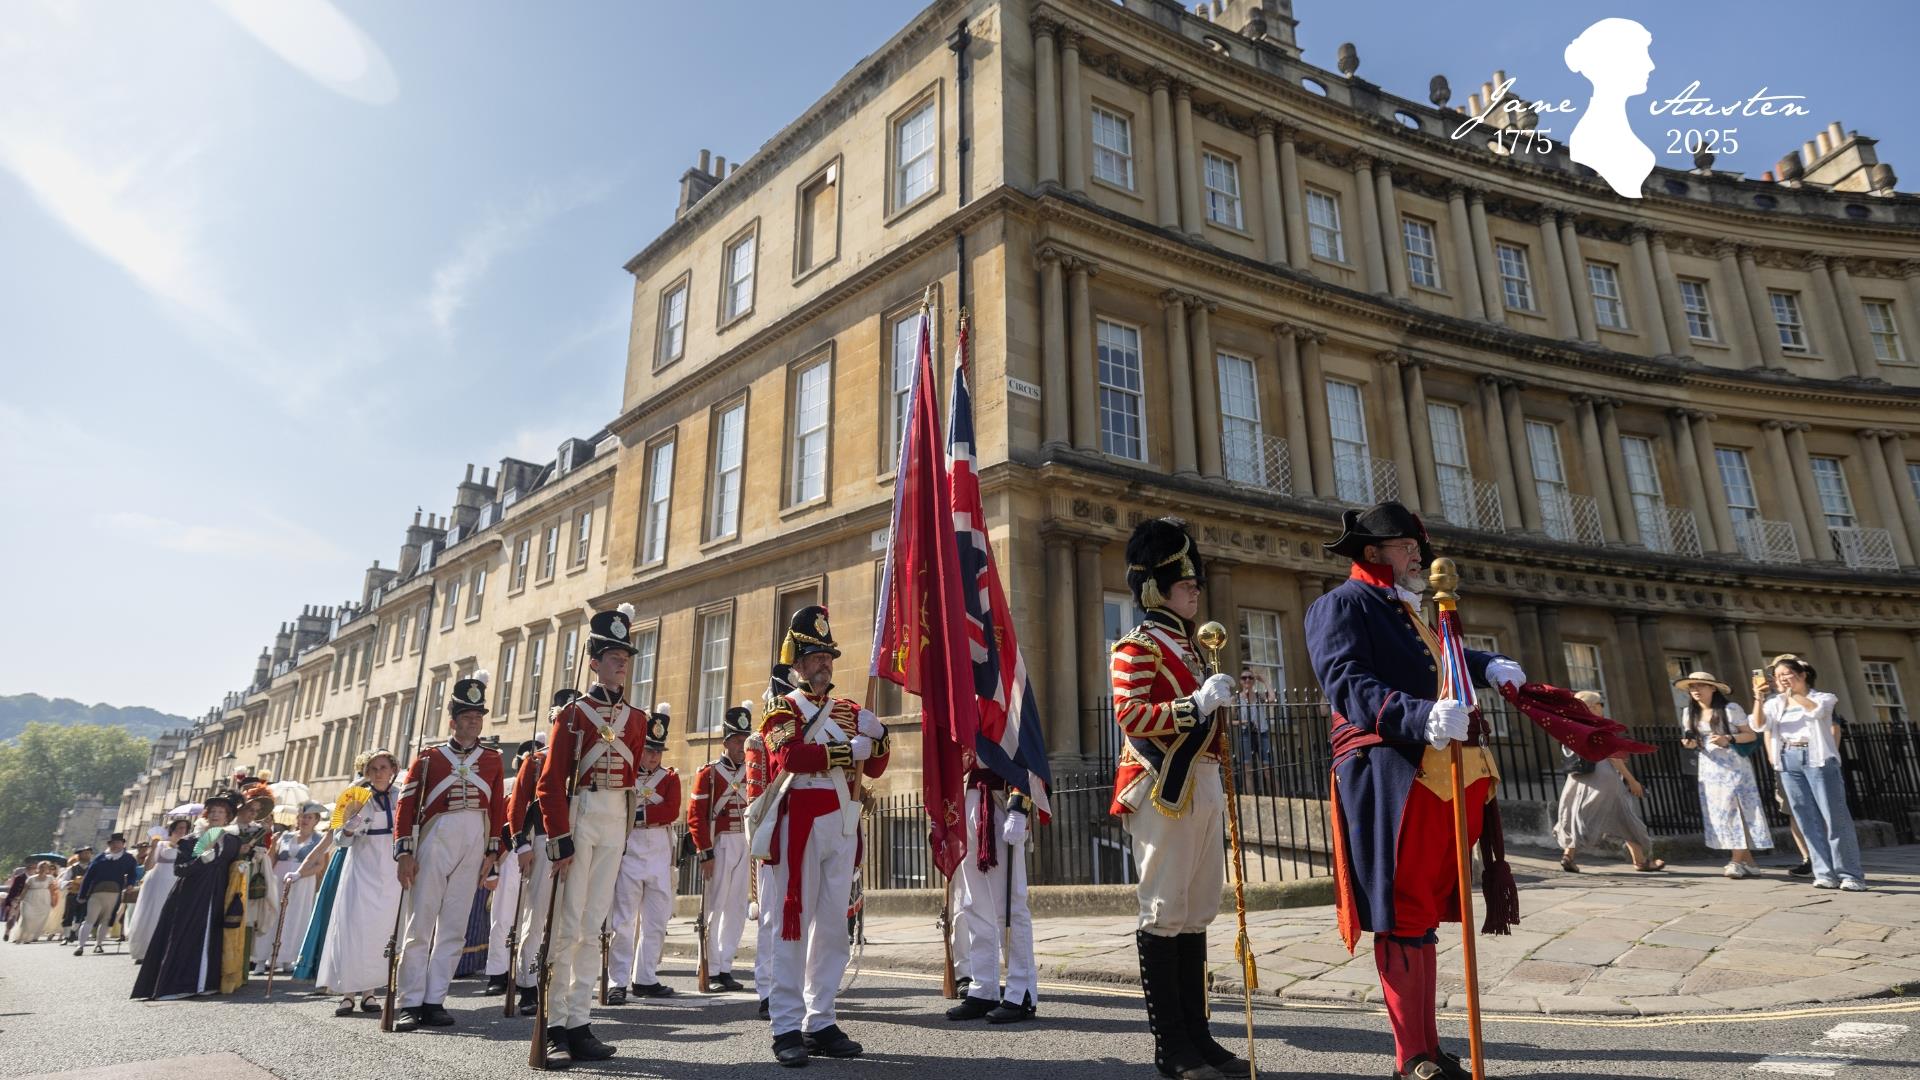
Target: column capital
(1638, 233)
(1814, 260)
(1173, 298)
(1476, 192)
(1775, 425)
(1201, 303)
(1080, 264)
(1746, 253)
(1310, 334)
(1392, 358)
(1548, 210)
(1159, 79)
(1044, 24)
(1726, 249)
(1359, 162)
(1910, 268)
(1842, 265)
(1070, 35)
(1288, 132)
(1871, 434)
(1588, 400)
(1456, 190)
(1489, 379)
(1047, 253)
(1656, 237)
(1183, 90)
(1265, 123)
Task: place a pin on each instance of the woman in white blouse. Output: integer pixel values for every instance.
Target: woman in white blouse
(1803, 751)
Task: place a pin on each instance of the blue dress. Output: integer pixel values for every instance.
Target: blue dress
(322, 911)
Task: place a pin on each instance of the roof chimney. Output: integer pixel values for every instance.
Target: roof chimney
(697, 181)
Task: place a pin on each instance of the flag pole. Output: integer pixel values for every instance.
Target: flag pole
(1445, 579)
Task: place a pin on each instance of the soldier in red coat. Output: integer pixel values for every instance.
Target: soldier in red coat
(451, 814)
(779, 684)
(587, 790)
(529, 839)
(643, 894)
(715, 817)
(818, 747)
(1167, 789)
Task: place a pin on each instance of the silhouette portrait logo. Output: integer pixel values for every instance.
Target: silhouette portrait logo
(1612, 55)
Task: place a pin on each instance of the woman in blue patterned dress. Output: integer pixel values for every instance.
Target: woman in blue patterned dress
(1729, 797)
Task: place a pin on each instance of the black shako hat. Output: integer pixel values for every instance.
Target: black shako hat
(659, 723)
(1384, 521)
(738, 721)
(469, 694)
(562, 699)
(1159, 553)
(611, 630)
(808, 634)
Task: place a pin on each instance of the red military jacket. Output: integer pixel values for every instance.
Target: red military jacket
(442, 779)
(523, 806)
(596, 742)
(1155, 670)
(666, 784)
(719, 803)
(755, 780)
(783, 732)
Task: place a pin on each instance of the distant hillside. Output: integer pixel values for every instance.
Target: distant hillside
(19, 710)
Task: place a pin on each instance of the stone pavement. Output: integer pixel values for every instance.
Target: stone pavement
(1605, 941)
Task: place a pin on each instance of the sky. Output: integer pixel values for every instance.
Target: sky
(271, 275)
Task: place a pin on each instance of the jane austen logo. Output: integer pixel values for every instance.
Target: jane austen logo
(1612, 55)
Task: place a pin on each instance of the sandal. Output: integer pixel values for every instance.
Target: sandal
(345, 1008)
(1651, 867)
(368, 1004)
(1566, 863)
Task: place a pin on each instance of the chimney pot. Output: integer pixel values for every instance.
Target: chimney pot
(719, 166)
(1809, 152)
(706, 160)
(1825, 142)
(469, 474)
(1837, 133)
(1473, 104)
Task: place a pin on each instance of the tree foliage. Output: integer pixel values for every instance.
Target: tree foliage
(47, 767)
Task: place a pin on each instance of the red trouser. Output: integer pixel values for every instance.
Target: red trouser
(1426, 882)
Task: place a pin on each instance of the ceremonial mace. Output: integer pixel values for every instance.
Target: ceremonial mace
(1445, 579)
(1212, 635)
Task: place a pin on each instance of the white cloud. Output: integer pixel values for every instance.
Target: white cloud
(277, 540)
(502, 232)
(317, 40)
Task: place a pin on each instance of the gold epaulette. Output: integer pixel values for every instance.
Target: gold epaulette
(1140, 637)
(778, 728)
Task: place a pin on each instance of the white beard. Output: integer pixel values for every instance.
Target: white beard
(1410, 588)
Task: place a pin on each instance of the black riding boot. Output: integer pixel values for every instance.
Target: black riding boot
(1173, 1051)
(1193, 1005)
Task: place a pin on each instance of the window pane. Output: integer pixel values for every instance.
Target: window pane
(1323, 226)
(1515, 281)
(1786, 315)
(906, 353)
(1736, 483)
(1604, 281)
(673, 324)
(1881, 328)
(1449, 430)
(659, 496)
(1260, 640)
(809, 462)
(1121, 420)
(740, 277)
(1112, 147)
(1835, 502)
(716, 640)
(724, 517)
(1352, 460)
(1583, 667)
(913, 156)
(1883, 689)
(1693, 300)
(1240, 420)
(1223, 189)
(1423, 262)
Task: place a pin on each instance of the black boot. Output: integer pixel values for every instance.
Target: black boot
(971, 1008)
(1193, 1004)
(790, 1049)
(496, 985)
(557, 1040)
(763, 1008)
(1012, 1012)
(529, 1000)
(582, 1046)
(410, 1019)
(1173, 1051)
(434, 1014)
(830, 1041)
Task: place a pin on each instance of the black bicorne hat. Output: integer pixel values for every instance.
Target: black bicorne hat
(808, 634)
(611, 630)
(659, 723)
(739, 721)
(1159, 553)
(469, 694)
(117, 838)
(1385, 521)
(228, 799)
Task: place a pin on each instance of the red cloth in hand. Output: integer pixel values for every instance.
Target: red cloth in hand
(1571, 723)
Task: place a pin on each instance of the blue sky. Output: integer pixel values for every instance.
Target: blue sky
(274, 273)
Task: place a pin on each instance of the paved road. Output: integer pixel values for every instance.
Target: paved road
(69, 1016)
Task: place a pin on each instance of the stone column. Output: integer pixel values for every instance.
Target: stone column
(1397, 435)
(1293, 399)
(1483, 257)
(1854, 676)
(1766, 331)
(1616, 460)
(1853, 318)
(1073, 109)
(1180, 384)
(1826, 658)
(1885, 496)
(1086, 415)
(1187, 161)
(1494, 430)
(1737, 320)
(1290, 198)
(1686, 453)
(1667, 287)
(1552, 645)
(1750, 654)
(1634, 677)
(1593, 460)
(1784, 479)
(1533, 657)
(1654, 657)
(1055, 402)
(1648, 293)
(1728, 657)
(1092, 665)
(1910, 270)
(1221, 604)
(1063, 681)
(1723, 539)
(1577, 291)
(1393, 248)
(1554, 281)
(1272, 218)
(1466, 273)
(1373, 251)
(1835, 340)
(1046, 92)
(1809, 493)
(1426, 475)
(1206, 369)
(1319, 424)
(1523, 478)
(1166, 191)
(1904, 495)
(1296, 644)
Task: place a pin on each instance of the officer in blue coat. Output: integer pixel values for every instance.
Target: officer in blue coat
(1394, 861)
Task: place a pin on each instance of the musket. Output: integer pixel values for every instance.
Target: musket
(1212, 636)
(279, 920)
(393, 961)
(606, 934)
(513, 943)
(700, 931)
(537, 1056)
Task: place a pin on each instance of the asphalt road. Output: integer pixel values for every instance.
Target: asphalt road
(65, 1015)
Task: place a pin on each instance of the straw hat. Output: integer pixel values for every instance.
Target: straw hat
(1701, 678)
(1590, 698)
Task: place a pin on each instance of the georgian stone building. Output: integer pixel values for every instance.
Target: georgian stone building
(1208, 278)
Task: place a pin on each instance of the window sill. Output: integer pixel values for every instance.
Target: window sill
(1339, 263)
(728, 322)
(1709, 343)
(1531, 313)
(1231, 230)
(1118, 189)
(1431, 290)
(932, 193)
(662, 365)
(800, 508)
(575, 571)
(650, 565)
(802, 275)
(720, 542)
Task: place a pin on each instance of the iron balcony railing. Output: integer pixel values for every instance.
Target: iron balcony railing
(1571, 517)
(1363, 480)
(1470, 503)
(1864, 548)
(1259, 460)
(1765, 541)
(1669, 529)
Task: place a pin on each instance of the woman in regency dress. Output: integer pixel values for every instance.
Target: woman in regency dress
(185, 956)
(34, 904)
(290, 851)
(353, 962)
(155, 887)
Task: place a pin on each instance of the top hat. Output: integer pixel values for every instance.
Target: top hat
(228, 799)
(611, 630)
(738, 721)
(117, 838)
(469, 695)
(1159, 553)
(808, 634)
(1376, 524)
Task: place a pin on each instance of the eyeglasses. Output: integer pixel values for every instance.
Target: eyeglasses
(1411, 546)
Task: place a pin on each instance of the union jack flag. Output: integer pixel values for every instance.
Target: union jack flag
(1009, 739)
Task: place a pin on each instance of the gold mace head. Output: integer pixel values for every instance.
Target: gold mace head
(1212, 635)
(1444, 578)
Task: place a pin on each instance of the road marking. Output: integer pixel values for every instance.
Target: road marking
(1854, 1035)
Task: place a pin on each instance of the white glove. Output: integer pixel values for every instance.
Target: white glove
(1446, 723)
(291, 877)
(1215, 692)
(1014, 832)
(1502, 671)
(862, 747)
(870, 725)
